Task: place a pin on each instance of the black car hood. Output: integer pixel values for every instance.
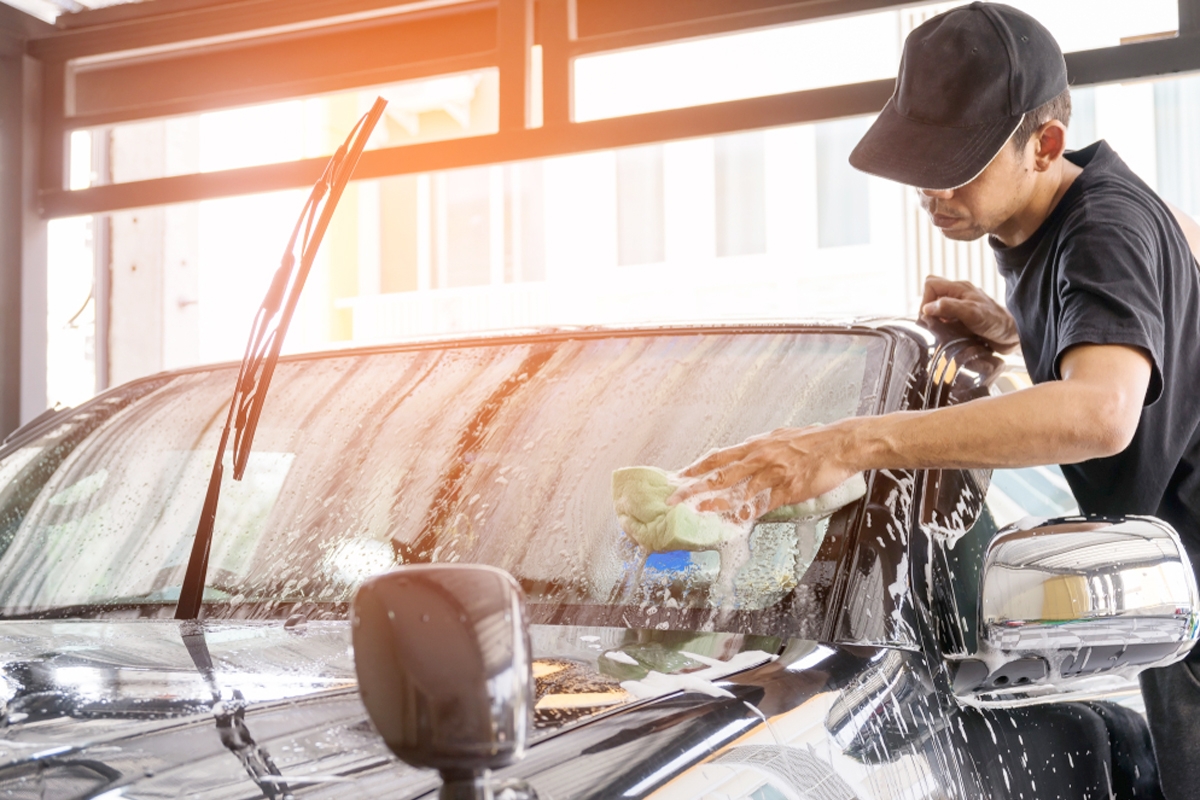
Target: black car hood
(92, 705)
(141, 709)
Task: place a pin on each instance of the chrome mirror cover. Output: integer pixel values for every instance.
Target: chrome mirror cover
(444, 665)
(1074, 597)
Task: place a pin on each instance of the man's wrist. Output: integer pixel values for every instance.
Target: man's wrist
(861, 446)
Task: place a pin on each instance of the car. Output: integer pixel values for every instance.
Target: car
(911, 644)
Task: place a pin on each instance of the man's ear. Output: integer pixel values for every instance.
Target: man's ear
(1049, 143)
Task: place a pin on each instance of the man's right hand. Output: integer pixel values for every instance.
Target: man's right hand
(964, 302)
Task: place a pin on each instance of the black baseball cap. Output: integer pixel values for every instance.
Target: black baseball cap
(967, 79)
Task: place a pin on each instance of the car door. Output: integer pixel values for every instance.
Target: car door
(1052, 747)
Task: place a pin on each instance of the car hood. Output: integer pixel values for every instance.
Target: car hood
(142, 709)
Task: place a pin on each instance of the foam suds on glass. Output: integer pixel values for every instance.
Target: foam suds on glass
(751, 540)
(631, 590)
(739, 583)
(734, 547)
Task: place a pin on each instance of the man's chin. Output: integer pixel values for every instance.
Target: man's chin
(962, 234)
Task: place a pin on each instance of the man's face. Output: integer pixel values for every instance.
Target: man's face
(985, 204)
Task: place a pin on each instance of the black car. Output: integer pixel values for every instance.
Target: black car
(902, 647)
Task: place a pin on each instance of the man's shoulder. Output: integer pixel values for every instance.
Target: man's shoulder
(1109, 193)
(1115, 224)
(1116, 205)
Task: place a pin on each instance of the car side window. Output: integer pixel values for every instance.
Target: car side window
(1032, 491)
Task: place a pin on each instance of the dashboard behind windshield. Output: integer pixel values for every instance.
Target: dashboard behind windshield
(499, 453)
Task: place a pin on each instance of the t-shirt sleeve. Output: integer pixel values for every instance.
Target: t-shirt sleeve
(1108, 294)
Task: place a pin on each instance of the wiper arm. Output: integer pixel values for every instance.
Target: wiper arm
(231, 720)
(266, 338)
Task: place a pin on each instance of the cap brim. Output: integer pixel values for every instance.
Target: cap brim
(929, 156)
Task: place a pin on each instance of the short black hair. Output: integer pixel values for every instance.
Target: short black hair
(1059, 108)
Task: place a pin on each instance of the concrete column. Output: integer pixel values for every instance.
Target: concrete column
(33, 252)
(22, 236)
(12, 101)
(1189, 17)
(102, 260)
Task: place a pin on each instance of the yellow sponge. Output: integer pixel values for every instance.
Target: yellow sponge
(843, 494)
(640, 498)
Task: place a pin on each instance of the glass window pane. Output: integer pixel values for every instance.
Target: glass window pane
(398, 250)
(527, 244)
(71, 311)
(741, 194)
(640, 228)
(843, 212)
(1081, 131)
(1177, 128)
(431, 109)
(1037, 491)
(525, 256)
(735, 66)
(812, 55)
(463, 202)
(1090, 24)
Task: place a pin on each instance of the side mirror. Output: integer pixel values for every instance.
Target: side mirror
(1077, 597)
(445, 669)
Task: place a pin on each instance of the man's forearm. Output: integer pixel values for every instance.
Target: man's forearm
(1053, 423)
(1093, 411)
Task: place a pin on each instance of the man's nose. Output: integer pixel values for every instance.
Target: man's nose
(937, 194)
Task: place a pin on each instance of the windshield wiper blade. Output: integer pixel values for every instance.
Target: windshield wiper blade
(262, 350)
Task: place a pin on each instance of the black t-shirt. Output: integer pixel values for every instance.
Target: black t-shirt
(1110, 265)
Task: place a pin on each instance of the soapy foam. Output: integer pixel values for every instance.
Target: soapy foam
(621, 658)
(656, 684)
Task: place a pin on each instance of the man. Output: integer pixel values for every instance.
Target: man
(1104, 296)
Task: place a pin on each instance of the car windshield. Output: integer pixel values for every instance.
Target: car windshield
(499, 452)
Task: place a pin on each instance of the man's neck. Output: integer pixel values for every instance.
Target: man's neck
(1049, 190)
